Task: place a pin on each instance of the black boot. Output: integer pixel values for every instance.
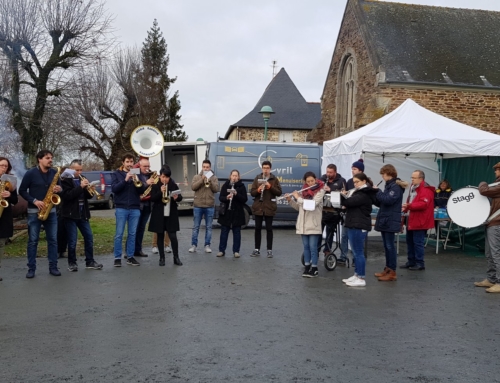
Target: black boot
(177, 261)
(162, 260)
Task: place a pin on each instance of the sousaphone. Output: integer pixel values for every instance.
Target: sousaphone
(147, 141)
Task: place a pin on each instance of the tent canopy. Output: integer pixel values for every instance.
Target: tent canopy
(411, 130)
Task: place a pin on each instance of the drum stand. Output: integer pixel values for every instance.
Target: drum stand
(449, 228)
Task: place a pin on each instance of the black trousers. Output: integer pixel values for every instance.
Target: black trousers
(269, 229)
(173, 243)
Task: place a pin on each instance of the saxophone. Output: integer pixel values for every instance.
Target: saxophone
(156, 178)
(4, 204)
(50, 199)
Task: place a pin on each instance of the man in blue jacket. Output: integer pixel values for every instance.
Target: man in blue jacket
(34, 187)
(127, 189)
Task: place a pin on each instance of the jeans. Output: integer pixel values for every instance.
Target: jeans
(141, 227)
(492, 252)
(131, 218)
(198, 213)
(269, 231)
(310, 243)
(357, 239)
(415, 240)
(34, 226)
(344, 246)
(391, 255)
(224, 234)
(88, 239)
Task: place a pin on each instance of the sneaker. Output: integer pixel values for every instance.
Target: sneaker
(269, 253)
(30, 274)
(220, 254)
(307, 269)
(154, 250)
(358, 282)
(192, 249)
(349, 279)
(118, 263)
(313, 272)
(255, 253)
(55, 272)
(73, 267)
(93, 265)
(208, 249)
(168, 249)
(236, 255)
(132, 262)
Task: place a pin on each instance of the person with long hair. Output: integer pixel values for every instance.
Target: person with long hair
(359, 222)
(233, 196)
(164, 213)
(390, 201)
(6, 220)
(310, 207)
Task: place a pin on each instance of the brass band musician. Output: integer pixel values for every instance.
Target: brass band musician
(7, 196)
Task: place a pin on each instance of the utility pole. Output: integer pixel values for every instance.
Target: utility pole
(275, 67)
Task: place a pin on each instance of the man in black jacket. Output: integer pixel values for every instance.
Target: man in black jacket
(333, 182)
(75, 213)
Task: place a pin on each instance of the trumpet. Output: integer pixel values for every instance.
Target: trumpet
(298, 191)
(165, 197)
(263, 188)
(92, 190)
(137, 181)
(207, 183)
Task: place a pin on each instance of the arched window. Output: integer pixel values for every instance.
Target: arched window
(346, 107)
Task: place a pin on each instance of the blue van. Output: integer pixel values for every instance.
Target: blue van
(290, 162)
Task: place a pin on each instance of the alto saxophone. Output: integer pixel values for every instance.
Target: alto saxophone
(165, 198)
(50, 199)
(4, 204)
(156, 178)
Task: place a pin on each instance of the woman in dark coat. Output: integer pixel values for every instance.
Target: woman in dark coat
(233, 218)
(388, 221)
(6, 220)
(164, 215)
(359, 222)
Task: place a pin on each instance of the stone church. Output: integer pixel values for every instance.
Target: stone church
(445, 59)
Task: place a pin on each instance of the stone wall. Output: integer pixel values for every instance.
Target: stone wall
(251, 134)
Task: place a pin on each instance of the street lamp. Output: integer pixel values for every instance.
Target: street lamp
(266, 112)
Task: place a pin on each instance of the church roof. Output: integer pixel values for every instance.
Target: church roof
(428, 44)
(291, 110)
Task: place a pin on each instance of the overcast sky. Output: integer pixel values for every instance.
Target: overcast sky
(222, 51)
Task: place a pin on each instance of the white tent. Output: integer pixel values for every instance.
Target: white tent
(410, 137)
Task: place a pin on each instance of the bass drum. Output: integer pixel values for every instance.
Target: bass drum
(467, 208)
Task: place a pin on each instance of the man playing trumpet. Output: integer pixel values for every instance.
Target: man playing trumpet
(76, 214)
(127, 189)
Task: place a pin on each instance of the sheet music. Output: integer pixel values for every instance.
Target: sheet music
(208, 174)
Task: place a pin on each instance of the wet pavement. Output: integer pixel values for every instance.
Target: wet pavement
(248, 320)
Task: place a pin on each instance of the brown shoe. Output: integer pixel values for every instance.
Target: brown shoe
(494, 289)
(483, 283)
(386, 270)
(389, 276)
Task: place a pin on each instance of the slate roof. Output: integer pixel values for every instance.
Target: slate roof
(291, 110)
(426, 41)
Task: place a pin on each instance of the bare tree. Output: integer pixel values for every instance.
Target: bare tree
(105, 107)
(39, 41)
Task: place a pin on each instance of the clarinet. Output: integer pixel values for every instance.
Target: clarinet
(262, 191)
(231, 192)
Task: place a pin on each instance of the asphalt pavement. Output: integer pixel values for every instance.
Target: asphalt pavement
(248, 320)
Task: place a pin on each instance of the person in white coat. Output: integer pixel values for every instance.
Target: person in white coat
(310, 207)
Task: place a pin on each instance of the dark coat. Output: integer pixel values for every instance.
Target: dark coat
(441, 197)
(338, 184)
(235, 216)
(126, 194)
(268, 206)
(390, 201)
(156, 223)
(70, 196)
(6, 221)
(359, 209)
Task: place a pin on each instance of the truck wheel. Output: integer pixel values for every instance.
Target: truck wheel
(111, 203)
(247, 217)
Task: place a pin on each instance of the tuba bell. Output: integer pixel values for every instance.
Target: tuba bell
(147, 141)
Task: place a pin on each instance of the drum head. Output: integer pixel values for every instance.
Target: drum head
(467, 208)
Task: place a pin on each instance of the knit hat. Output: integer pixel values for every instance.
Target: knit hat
(359, 165)
(496, 166)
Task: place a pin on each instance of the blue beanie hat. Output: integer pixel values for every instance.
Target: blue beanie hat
(359, 165)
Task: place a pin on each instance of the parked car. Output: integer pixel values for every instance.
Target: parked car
(103, 188)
